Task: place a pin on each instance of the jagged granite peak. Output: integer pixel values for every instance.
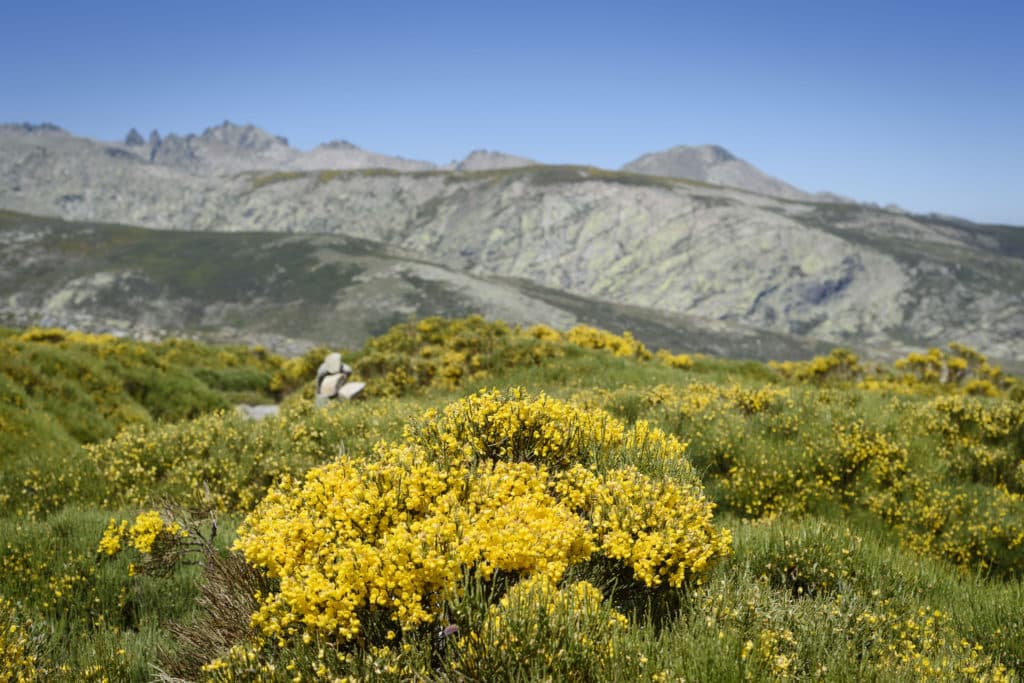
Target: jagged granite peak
(230, 148)
(134, 138)
(173, 150)
(337, 144)
(490, 160)
(27, 127)
(713, 164)
(245, 136)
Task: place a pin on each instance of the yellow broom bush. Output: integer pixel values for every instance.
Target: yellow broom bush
(497, 484)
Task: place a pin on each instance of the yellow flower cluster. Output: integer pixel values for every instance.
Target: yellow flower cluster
(681, 361)
(219, 457)
(961, 366)
(840, 365)
(442, 354)
(776, 650)
(131, 353)
(973, 515)
(982, 440)
(925, 646)
(978, 530)
(624, 345)
(544, 333)
(297, 371)
(495, 484)
(149, 530)
(512, 427)
(660, 529)
(698, 397)
(540, 630)
(18, 663)
(960, 370)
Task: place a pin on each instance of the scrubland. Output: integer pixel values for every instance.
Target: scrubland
(506, 504)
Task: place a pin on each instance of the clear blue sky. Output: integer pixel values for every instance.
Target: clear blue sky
(916, 103)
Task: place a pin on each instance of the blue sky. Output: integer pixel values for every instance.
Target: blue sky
(914, 103)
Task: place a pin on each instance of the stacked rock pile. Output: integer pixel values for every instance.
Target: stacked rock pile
(332, 380)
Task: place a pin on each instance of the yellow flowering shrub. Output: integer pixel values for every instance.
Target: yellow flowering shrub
(624, 345)
(152, 535)
(495, 484)
(544, 333)
(840, 364)
(219, 459)
(540, 631)
(674, 360)
(926, 367)
(660, 529)
(977, 529)
(925, 647)
(982, 440)
(960, 369)
(297, 371)
(699, 397)
(18, 660)
(435, 353)
(515, 428)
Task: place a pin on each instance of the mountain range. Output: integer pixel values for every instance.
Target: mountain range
(691, 232)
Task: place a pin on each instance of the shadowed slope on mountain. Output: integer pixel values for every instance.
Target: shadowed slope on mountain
(290, 292)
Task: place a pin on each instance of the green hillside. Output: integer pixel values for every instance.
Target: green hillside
(507, 503)
(299, 290)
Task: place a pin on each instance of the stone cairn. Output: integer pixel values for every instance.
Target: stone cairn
(332, 380)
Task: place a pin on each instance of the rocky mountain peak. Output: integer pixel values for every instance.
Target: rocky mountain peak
(34, 128)
(134, 138)
(245, 136)
(713, 164)
(695, 160)
(338, 144)
(713, 153)
(489, 160)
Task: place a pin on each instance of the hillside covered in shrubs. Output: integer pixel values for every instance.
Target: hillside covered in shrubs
(506, 504)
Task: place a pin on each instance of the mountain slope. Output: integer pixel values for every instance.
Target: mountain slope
(840, 272)
(289, 292)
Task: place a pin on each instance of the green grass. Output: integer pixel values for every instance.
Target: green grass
(59, 390)
(825, 583)
(261, 181)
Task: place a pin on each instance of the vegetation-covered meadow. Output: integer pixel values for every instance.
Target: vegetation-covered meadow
(506, 504)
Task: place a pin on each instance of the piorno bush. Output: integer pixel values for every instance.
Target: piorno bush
(496, 487)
